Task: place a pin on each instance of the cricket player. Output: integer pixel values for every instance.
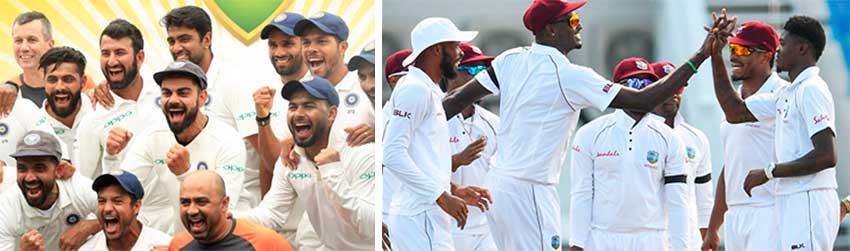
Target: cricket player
(364, 65)
(105, 133)
(335, 185)
(537, 122)
(119, 199)
(804, 138)
(472, 137)
(628, 163)
(44, 207)
(163, 156)
(697, 160)
(749, 220)
(393, 69)
(425, 202)
(64, 78)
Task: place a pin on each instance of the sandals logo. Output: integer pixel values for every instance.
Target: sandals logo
(245, 21)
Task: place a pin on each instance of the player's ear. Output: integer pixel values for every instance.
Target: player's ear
(331, 114)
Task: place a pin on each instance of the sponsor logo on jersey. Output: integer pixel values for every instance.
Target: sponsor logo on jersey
(652, 157)
(821, 118)
(159, 161)
(607, 87)
(299, 176)
(233, 168)
(691, 152)
(575, 148)
(400, 113)
(368, 175)
(247, 115)
(608, 154)
(117, 119)
(454, 140)
(798, 246)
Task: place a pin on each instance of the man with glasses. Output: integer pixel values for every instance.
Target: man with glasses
(628, 163)
(749, 220)
(537, 122)
(805, 198)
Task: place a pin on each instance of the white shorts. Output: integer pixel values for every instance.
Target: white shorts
(474, 242)
(524, 215)
(429, 230)
(640, 241)
(808, 221)
(751, 228)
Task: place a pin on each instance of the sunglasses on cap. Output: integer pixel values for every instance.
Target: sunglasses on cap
(573, 20)
(637, 83)
(740, 50)
(472, 69)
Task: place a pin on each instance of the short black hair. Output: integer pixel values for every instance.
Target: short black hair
(63, 54)
(188, 16)
(26, 17)
(808, 29)
(120, 28)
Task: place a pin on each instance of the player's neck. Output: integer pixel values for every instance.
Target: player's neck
(637, 116)
(753, 84)
(193, 130)
(33, 78)
(132, 91)
(302, 71)
(206, 61)
(337, 73)
(220, 231)
(128, 239)
(317, 147)
(797, 69)
(468, 112)
(68, 120)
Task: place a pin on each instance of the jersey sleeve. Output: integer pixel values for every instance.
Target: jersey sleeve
(762, 106)
(409, 108)
(350, 183)
(583, 88)
(488, 78)
(89, 151)
(676, 195)
(704, 186)
(581, 187)
(274, 209)
(817, 109)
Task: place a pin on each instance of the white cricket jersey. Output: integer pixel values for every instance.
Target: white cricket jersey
(76, 202)
(25, 116)
(390, 183)
(338, 198)
(231, 100)
(354, 108)
(618, 170)
(66, 134)
(417, 124)
(801, 110)
(217, 147)
(133, 116)
(482, 123)
(148, 238)
(698, 168)
(749, 146)
(541, 96)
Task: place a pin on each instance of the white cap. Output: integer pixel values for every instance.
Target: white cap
(435, 30)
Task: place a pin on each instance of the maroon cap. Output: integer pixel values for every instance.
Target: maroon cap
(663, 68)
(543, 12)
(756, 34)
(472, 53)
(393, 64)
(631, 67)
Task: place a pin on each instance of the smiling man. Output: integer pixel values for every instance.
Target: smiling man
(119, 199)
(32, 36)
(192, 140)
(63, 73)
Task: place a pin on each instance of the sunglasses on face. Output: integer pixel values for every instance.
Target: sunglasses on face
(573, 20)
(740, 50)
(472, 69)
(637, 83)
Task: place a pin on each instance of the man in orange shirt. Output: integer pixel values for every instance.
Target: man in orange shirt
(203, 210)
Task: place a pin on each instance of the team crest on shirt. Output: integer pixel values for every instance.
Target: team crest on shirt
(641, 65)
(203, 165)
(607, 87)
(556, 242)
(72, 219)
(652, 157)
(691, 152)
(351, 99)
(4, 129)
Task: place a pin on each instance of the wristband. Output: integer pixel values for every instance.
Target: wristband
(692, 66)
(768, 171)
(264, 121)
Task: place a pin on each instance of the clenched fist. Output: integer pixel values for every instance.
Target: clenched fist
(32, 241)
(177, 159)
(263, 101)
(117, 140)
(325, 156)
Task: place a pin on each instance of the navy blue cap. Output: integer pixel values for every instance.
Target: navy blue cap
(285, 22)
(317, 87)
(327, 22)
(126, 179)
(367, 55)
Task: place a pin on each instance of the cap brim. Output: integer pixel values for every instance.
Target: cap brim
(355, 62)
(109, 179)
(463, 36)
(268, 29)
(31, 153)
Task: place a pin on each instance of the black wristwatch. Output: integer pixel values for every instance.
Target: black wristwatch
(264, 121)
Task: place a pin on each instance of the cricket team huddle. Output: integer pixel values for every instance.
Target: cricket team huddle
(194, 156)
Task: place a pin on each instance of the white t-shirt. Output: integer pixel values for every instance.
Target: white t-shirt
(76, 202)
(354, 108)
(801, 110)
(482, 123)
(217, 147)
(69, 135)
(133, 116)
(416, 125)
(339, 198)
(749, 146)
(148, 238)
(541, 96)
(619, 168)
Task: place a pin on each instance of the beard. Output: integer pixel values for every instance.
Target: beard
(319, 130)
(67, 111)
(129, 76)
(448, 67)
(297, 64)
(188, 118)
(46, 189)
